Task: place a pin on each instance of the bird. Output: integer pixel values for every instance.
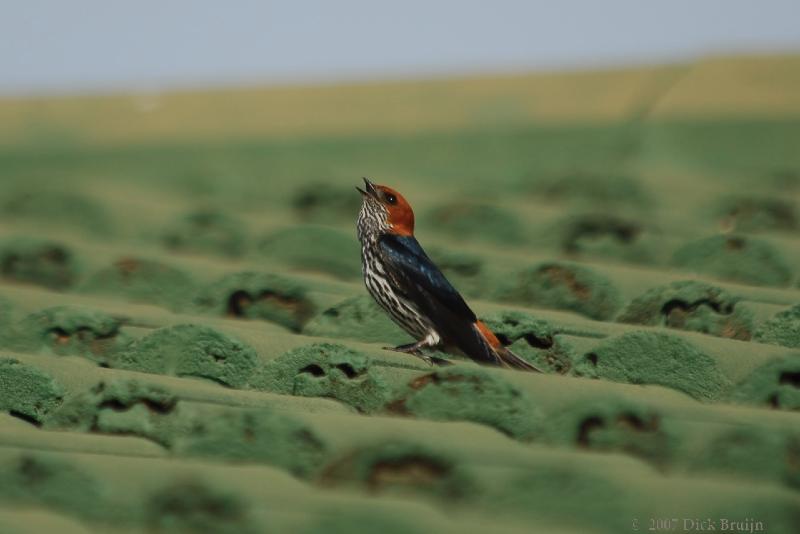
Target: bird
(414, 292)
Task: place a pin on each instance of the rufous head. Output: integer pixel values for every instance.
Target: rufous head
(384, 210)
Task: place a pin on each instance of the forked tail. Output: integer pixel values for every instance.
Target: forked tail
(503, 356)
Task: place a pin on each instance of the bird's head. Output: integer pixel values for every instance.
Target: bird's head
(384, 210)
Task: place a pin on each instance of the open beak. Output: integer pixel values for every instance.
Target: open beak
(371, 191)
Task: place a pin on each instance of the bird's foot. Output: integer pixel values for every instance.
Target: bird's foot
(416, 350)
(411, 348)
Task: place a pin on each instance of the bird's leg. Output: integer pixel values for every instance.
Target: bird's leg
(411, 348)
(416, 350)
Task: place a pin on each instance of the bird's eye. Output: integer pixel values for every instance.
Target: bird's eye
(391, 199)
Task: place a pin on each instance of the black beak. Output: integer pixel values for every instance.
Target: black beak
(371, 191)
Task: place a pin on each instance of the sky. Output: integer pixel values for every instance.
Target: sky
(95, 46)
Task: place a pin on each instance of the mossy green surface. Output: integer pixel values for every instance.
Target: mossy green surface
(655, 358)
(6, 320)
(254, 295)
(310, 437)
(28, 392)
(57, 209)
(136, 408)
(738, 258)
(315, 248)
(357, 317)
(753, 454)
(560, 493)
(69, 330)
(616, 425)
(124, 407)
(401, 468)
(192, 506)
(747, 213)
(32, 479)
(587, 188)
(535, 340)
(563, 286)
(25, 520)
(759, 151)
(775, 384)
(604, 235)
(465, 221)
(346, 521)
(691, 305)
(321, 202)
(38, 261)
(782, 329)
(327, 370)
(470, 394)
(143, 280)
(191, 350)
(206, 232)
(588, 500)
(251, 435)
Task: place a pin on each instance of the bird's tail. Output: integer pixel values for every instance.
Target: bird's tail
(513, 361)
(503, 356)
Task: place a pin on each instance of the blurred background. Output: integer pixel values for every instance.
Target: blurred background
(501, 123)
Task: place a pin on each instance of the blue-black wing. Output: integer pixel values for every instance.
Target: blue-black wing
(421, 282)
(418, 275)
